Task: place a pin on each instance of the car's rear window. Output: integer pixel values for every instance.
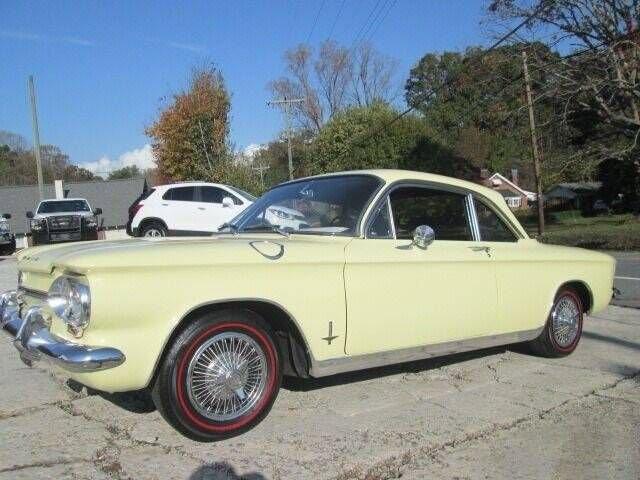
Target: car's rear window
(181, 194)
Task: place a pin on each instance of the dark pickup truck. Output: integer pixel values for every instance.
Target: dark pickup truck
(65, 220)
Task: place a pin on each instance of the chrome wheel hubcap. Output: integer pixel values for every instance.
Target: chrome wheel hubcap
(227, 376)
(153, 232)
(566, 320)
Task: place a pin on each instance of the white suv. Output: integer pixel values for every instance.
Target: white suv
(190, 208)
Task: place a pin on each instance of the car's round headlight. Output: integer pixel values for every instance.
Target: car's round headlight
(70, 299)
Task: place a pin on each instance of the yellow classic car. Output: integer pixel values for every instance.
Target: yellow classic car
(321, 275)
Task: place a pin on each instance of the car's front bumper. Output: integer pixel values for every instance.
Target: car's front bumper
(30, 330)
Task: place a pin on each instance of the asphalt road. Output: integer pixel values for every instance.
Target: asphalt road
(498, 413)
(627, 279)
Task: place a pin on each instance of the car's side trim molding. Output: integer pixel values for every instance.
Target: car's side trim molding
(334, 366)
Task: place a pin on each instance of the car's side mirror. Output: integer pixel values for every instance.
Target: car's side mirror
(97, 211)
(6, 216)
(227, 202)
(29, 214)
(423, 236)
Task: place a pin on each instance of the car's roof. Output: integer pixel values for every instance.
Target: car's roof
(389, 176)
(190, 184)
(396, 175)
(63, 199)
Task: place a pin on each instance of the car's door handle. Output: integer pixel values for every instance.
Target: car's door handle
(484, 249)
(164, 204)
(201, 208)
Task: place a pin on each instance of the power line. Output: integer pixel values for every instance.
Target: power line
(375, 19)
(336, 19)
(361, 29)
(315, 22)
(373, 32)
(436, 90)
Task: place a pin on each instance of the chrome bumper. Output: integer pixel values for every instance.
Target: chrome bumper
(33, 339)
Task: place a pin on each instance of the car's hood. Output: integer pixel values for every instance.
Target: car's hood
(82, 257)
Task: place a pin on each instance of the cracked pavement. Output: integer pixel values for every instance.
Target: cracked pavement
(498, 413)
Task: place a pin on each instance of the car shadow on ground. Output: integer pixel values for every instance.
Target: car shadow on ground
(418, 366)
(138, 401)
(222, 471)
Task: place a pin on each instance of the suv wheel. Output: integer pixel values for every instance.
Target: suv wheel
(220, 376)
(153, 229)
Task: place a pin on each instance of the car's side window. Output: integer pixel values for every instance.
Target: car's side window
(211, 194)
(381, 225)
(445, 212)
(492, 227)
(181, 194)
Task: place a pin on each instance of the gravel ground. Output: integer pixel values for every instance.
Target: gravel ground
(498, 413)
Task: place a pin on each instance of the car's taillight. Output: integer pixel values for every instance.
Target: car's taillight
(133, 209)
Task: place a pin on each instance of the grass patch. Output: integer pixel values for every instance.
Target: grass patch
(611, 232)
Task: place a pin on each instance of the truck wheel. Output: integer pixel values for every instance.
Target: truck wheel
(153, 229)
(220, 376)
(563, 329)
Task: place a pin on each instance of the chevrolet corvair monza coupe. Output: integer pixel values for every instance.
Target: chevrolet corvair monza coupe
(320, 276)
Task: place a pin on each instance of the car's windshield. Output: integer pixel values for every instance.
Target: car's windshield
(325, 206)
(247, 195)
(64, 206)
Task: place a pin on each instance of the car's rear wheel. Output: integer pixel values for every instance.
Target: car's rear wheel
(220, 376)
(563, 329)
(153, 229)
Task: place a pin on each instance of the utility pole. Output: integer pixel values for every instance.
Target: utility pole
(261, 169)
(286, 103)
(534, 144)
(36, 135)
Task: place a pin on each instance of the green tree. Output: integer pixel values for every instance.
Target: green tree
(373, 137)
(132, 171)
(473, 102)
(190, 136)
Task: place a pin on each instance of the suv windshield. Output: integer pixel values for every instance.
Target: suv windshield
(247, 195)
(64, 206)
(326, 205)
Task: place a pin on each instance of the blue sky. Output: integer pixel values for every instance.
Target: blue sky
(102, 68)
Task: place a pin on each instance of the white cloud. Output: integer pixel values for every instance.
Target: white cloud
(34, 37)
(189, 47)
(140, 157)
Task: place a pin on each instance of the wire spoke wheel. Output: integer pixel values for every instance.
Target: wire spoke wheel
(565, 320)
(226, 376)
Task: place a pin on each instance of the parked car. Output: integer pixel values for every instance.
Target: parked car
(7, 238)
(388, 266)
(63, 220)
(191, 209)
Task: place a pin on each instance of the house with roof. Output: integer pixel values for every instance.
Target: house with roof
(515, 196)
(572, 195)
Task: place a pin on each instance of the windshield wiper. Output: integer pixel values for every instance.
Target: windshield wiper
(232, 227)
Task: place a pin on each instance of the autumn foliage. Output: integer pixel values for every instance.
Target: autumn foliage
(190, 136)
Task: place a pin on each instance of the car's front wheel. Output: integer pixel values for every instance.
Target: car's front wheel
(563, 329)
(220, 376)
